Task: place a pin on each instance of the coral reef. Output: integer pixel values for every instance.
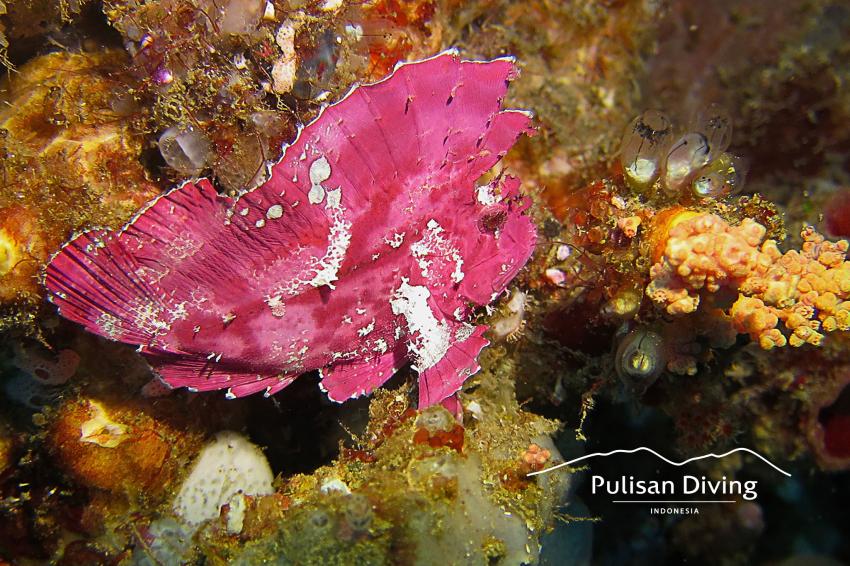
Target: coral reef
(664, 275)
(471, 481)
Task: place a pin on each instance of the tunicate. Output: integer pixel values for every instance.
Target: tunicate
(435, 419)
(640, 359)
(716, 125)
(643, 144)
(721, 177)
(320, 520)
(511, 325)
(185, 150)
(358, 512)
(686, 157)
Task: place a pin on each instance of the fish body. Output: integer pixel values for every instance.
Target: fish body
(369, 247)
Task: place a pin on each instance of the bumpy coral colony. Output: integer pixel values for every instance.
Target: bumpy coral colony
(366, 249)
(807, 291)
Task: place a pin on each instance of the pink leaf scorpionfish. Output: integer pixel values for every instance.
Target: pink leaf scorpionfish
(368, 248)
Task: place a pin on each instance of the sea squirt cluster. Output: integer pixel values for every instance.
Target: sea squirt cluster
(695, 161)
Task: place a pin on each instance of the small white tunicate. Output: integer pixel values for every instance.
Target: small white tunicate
(641, 149)
(185, 150)
(510, 326)
(684, 160)
(721, 177)
(640, 358)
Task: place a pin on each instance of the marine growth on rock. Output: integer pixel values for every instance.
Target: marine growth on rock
(367, 249)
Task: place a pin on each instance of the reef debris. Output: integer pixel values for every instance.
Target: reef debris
(365, 250)
(397, 497)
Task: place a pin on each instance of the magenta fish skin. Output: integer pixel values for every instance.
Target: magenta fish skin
(368, 248)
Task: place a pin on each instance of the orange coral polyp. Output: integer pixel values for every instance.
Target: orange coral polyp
(807, 291)
(662, 223)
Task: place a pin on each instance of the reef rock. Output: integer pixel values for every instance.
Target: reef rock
(367, 248)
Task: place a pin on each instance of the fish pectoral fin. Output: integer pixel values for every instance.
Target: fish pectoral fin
(345, 381)
(110, 281)
(202, 374)
(446, 377)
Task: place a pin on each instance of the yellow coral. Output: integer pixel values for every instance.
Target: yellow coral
(10, 252)
(71, 159)
(807, 291)
(703, 252)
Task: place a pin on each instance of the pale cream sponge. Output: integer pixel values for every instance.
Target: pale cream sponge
(227, 469)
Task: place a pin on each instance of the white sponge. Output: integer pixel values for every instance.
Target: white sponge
(228, 468)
